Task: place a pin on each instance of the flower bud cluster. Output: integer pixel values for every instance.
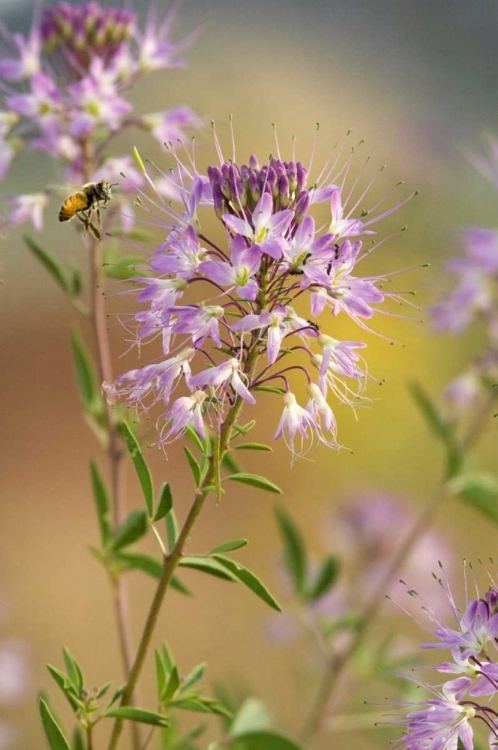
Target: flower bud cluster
(245, 333)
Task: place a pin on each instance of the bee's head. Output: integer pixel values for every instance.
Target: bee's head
(105, 188)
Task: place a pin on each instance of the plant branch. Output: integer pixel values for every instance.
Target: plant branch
(171, 561)
(115, 455)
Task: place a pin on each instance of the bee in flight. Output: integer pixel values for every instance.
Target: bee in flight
(84, 202)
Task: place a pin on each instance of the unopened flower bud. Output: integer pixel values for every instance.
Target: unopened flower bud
(302, 205)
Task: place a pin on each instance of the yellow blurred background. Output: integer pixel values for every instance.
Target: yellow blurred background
(417, 82)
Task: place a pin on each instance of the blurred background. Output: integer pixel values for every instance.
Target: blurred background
(417, 82)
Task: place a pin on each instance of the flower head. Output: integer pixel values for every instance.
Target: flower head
(442, 721)
(244, 327)
(66, 87)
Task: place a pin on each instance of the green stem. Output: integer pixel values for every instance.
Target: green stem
(339, 661)
(170, 563)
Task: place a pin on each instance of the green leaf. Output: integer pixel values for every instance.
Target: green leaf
(249, 579)
(66, 686)
(73, 671)
(197, 441)
(103, 690)
(229, 463)
(50, 264)
(194, 466)
(122, 267)
(141, 715)
(167, 656)
(478, 490)
(266, 740)
(53, 732)
(74, 282)
(147, 564)
(132, 529)
(294, 549)
(172, 685)
(171, 529)
(194, 677)
(101, 503)
(253, 715)
(85, 374)
(165, 502)
(243, 429)
(324, 579)
(203, 705)
(161, 674)
(256, 481)
(229, 546)
(141, 467)
(435, 421)
(441, 428)
(269, 389)
(177, 585)
(252, 447)
(206, 565)
(78, 739)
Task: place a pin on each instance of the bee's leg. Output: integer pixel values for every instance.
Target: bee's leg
(82, 217)
(93, 230)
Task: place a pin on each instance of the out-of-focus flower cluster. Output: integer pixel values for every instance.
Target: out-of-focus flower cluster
(13, 681)
(446, 719)
(65, 88)
(473, 299)
(261, 294)
(366, 534)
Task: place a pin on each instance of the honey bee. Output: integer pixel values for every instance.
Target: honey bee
(84, 202)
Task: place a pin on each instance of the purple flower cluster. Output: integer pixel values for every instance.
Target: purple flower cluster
(447, 716)
(473, 299)
(65, 88)
(261, 291)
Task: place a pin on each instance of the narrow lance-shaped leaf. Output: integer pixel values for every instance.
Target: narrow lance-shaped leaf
(161, 674)
(137, 561)
(85, 374)
(171, 529)
(249, 579)
(229, 546)
(194, 466)
(66, 686)
(256, 481)
(324, 579)
(252, 447)
(193, 677)
(141, 715)
(479, 491)
(165, 502)
(50, 264)
(206, 565)
(53, 732)
(73, 670)
(294, 549)
(265, 740)
(132, 529)
(78, 739)
(141, 467)
(441, 428)
(429, 411)
(101, 499)
(172, 685)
